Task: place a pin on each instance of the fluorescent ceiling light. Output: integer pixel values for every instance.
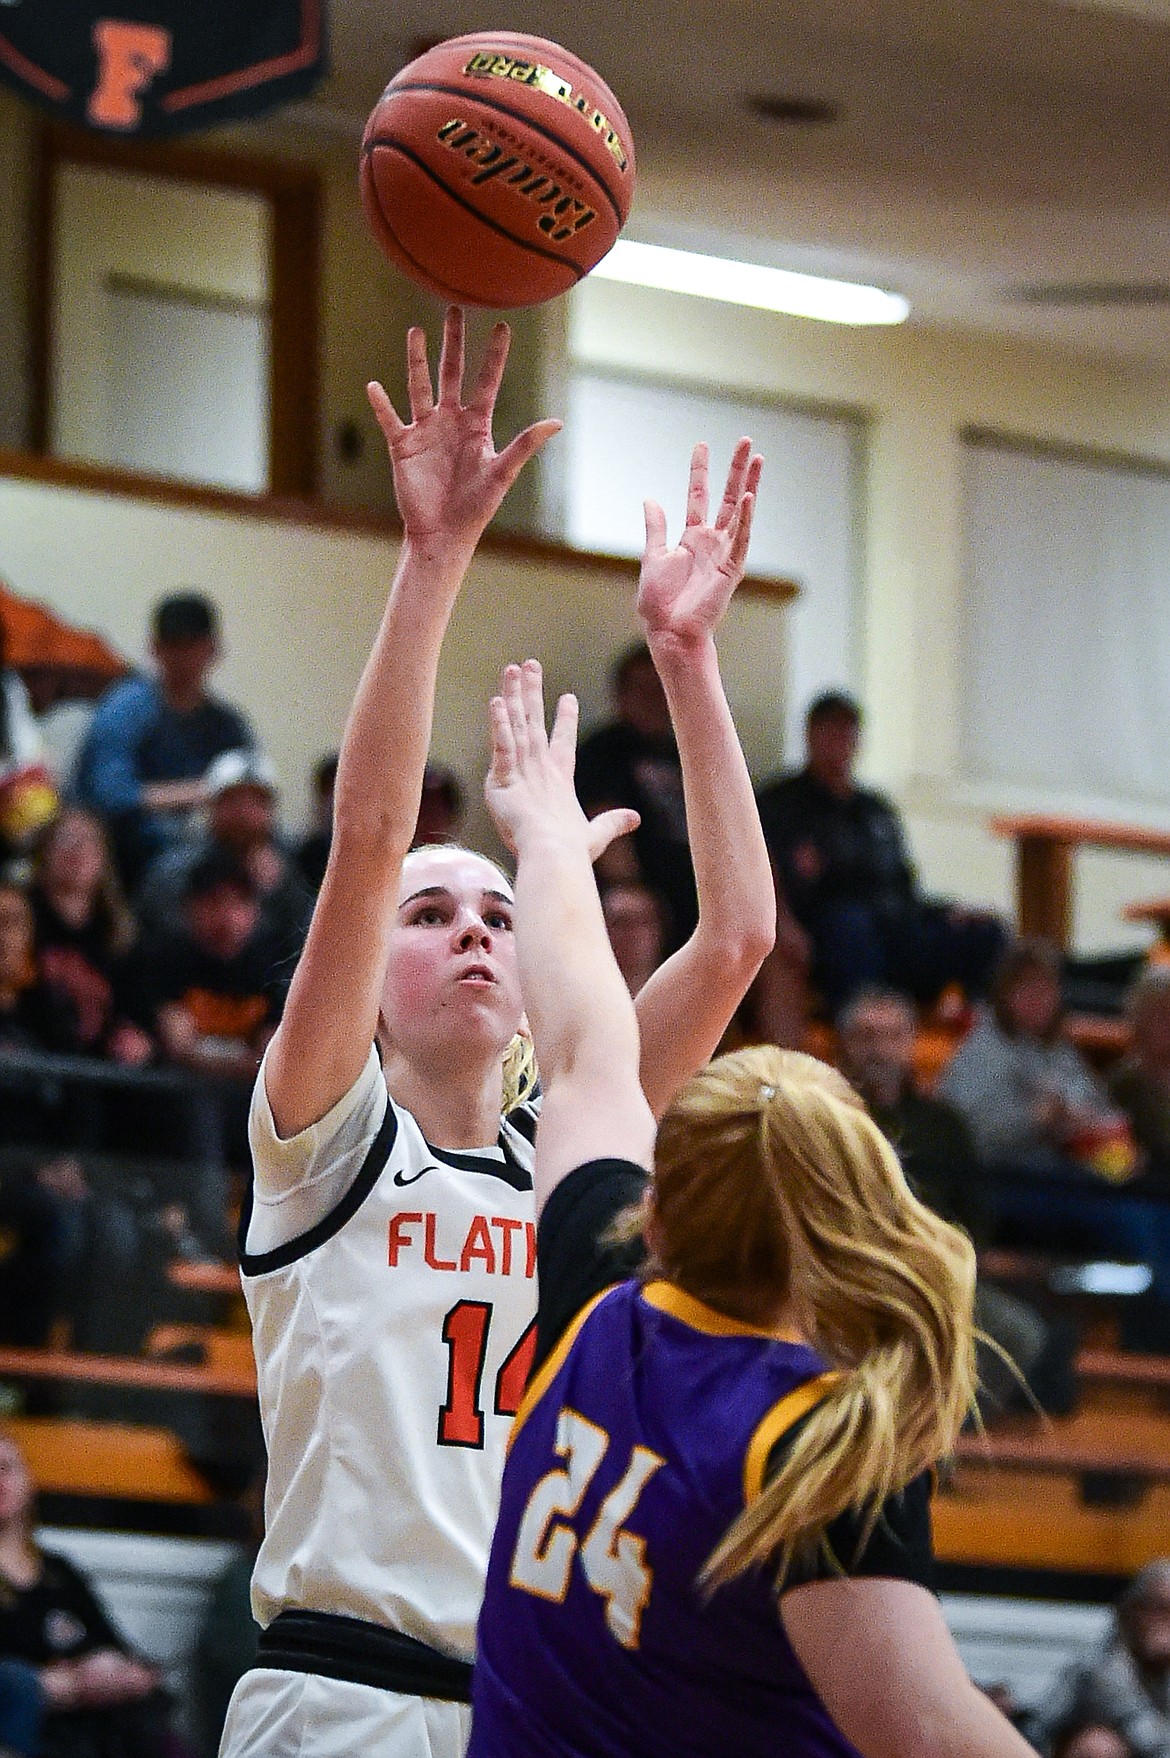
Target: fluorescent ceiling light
(749, 283)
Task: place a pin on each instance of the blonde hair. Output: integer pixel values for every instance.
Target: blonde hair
(520, 1072)
(773, 1184)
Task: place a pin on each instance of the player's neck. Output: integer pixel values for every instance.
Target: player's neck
(457, 1108)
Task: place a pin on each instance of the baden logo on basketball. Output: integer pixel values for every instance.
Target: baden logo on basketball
(564, 214)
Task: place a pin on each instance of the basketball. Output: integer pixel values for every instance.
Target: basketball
(497, 169)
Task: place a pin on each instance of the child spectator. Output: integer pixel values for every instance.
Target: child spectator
(241, 819)
(84, 932)
(211, 988)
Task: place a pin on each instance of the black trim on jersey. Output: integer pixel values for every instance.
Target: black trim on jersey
(509, 1168)
(524, 1120)
(360, 1653)
(259, 1262)
(900, 1547)
(574, 1259)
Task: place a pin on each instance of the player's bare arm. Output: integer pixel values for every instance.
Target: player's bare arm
(853, 1636)
(449, 480)
(683, 594)
(579, 1010)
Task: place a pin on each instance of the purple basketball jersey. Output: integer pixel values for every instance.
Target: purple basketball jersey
(635, 1449)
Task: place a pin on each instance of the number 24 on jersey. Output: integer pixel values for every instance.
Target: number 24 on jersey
(613, 1560)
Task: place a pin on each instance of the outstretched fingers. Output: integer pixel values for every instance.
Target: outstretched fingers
(740, 533)
(503, 763)
(451, 357)
(697, 486)
(737, 483)
(563, 743)
(526, 445)
(655, 527)
(491, 373)
(418, 373)
(385, 414)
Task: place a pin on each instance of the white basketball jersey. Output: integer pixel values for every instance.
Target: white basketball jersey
(393, 1340)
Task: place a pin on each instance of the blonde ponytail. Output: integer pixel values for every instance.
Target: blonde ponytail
(520, 1072)
(773, 1184)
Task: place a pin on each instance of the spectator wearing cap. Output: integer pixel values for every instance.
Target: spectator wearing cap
(850, 912)
(210, 988)
(242, 798)
(152, 739)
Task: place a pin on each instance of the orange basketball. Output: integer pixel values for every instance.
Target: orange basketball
(497, 169)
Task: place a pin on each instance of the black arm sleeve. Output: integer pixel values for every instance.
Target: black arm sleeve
(900, 1546)
(574, 1259)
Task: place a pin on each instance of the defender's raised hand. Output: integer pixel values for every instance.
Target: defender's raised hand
(529, 787)
(683, 592)
(449, 479)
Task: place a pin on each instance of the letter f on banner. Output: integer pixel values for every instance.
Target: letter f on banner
(129, 57)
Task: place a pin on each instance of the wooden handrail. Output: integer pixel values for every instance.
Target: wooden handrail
(124, 1370)
(1082, 832)
(1051, 1450)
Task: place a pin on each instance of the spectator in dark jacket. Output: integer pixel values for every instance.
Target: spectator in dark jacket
(849, 907)
(633, 761)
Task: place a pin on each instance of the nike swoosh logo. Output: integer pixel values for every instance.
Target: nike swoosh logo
(401, 1178)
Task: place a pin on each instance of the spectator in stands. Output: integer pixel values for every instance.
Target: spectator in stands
(217, 981)
(152, 739)
(1050, 1139)
(313, 853)
(1123, 1686)
(876, 1034)
(35, 1014)
(849, 910)
(1028, 1095)
(85, 931)
(1140, 1085)
(635, 920)
(211, 989)
(242, 799)
(95, 1697)
(633, 761)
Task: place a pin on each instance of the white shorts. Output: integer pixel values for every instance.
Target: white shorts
(302, 1715)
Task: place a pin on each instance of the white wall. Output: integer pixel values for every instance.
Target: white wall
(919, 389)
(300, 606)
